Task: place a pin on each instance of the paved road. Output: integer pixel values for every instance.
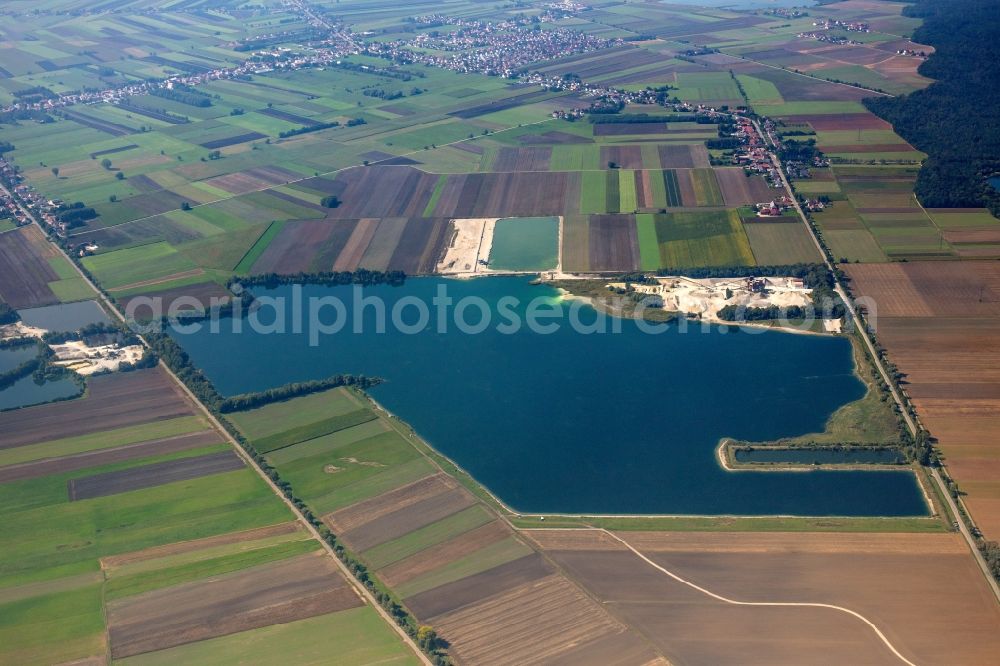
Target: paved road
(910, 423)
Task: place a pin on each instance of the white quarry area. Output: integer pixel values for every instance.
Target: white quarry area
(469, 250)
(76, 355)
(20, 330)
(703, 298)
(85, 360)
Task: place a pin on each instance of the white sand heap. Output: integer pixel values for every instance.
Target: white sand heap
(20, 330)
(85, 360)
(705, 297)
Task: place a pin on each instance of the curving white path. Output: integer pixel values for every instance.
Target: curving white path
(734, 602)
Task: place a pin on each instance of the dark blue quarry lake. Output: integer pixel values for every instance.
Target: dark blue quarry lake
(566, 422)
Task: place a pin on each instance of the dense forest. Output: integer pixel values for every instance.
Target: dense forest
(955, 120)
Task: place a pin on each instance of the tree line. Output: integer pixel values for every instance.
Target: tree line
(362, 276)
(244, 401)
(184, 95)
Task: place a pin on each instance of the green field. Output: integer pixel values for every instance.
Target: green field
(525, 244)
(310, 641)
(689, 239)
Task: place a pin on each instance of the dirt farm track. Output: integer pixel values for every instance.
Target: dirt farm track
(893, 580)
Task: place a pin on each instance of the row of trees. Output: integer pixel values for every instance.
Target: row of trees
(184, 95)
(362, 276)
(244, 401)
(955, 120)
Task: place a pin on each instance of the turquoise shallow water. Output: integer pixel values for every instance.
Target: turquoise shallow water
(622, 423)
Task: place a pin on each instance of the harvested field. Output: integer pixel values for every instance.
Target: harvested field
(156, 447)
(939, 322)
(24, 265)
(357, 243)
(376, 507)
(548, 138)
(738, 189)
(522, 159)
(440, 554)
(543, 621)
(624, 157)
(156, 474)
(410, 516)
(112, 401)
(473, 589)
(614, 245)
(891, 579)
(279, 592)
(232, 140)
(295, 246)
(920, 289)
(205, 293)
(682, 157)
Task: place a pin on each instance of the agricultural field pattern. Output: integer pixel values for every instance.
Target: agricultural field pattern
(625, 332)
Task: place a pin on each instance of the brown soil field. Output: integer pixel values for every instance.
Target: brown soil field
(379, 251)
(541, 622)
(473, 589)
(112, 401)
(149, 476)
(626, 157)
(156, 447)
(240, 182)
(685, 187)
(233, 140)
(844, 121)
(522, 159)
(285, 196)
(403, 192)
(24, 255)
(508, 194)
(614, 245)
(443, 553)
(279, 592)
(360, 513)
(576, 243)
(204, 293)
(894, 580)
(625, 129)
(158, 552)
(677, 157)
(738, 190)
(930, 288)
(973, 235)
(940, 322)
(421, 245)
(293, 249)
(548, 138)
(349, 258)
(404, 520)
